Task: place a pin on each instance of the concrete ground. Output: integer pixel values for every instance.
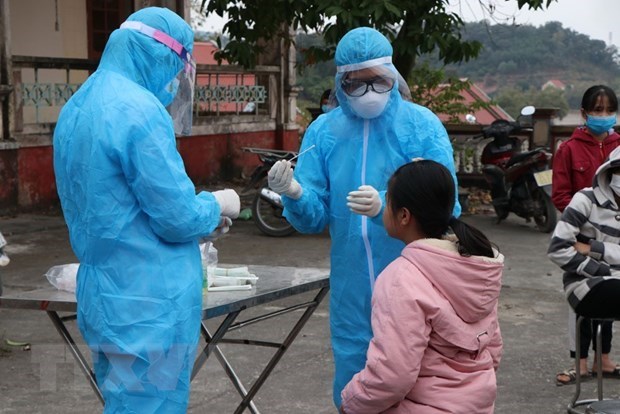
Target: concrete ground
(45, 378)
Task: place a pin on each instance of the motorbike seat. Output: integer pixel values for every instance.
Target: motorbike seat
(521, 156)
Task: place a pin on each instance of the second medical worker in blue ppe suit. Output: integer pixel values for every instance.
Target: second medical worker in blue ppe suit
(133, 215)
(341, 183)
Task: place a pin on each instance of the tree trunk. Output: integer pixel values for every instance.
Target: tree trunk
(403, 61)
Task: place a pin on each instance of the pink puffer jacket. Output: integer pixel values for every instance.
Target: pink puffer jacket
(437, 341)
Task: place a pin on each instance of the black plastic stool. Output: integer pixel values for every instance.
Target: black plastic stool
(598, 405)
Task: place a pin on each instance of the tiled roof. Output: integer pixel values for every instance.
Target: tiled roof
(483, 116)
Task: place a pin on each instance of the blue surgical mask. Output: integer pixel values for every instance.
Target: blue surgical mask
(325, 108)
(600, 124)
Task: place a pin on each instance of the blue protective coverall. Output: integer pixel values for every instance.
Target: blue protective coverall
(351, 151)
(134, 220)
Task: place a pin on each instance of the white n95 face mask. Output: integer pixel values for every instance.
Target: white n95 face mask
(370, 105)
(615, 184)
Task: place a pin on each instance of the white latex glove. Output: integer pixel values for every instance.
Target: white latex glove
(220, 230)
(364, 201)
(281, 180)
(229, 202)
(4, 259)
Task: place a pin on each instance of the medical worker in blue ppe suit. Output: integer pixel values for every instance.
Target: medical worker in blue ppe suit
(133, 215)
(341, 182)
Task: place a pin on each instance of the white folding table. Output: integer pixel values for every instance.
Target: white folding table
(274, 283)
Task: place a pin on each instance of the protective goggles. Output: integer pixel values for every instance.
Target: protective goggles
(359, 87)
(182, 86)
(379, 74)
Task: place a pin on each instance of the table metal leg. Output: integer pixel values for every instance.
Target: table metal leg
(212, 341)
(229, 371)
(280, 352)
(79, 357)
(227, 325)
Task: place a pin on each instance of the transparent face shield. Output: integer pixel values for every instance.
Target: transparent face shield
(182, 107)
(181, 88)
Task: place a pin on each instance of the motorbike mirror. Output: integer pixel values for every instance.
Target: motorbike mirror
(528, 110)
(470, 118)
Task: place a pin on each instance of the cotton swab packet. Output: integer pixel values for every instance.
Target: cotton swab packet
(238, 278)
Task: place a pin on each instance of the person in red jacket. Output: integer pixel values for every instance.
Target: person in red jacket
(574, 165)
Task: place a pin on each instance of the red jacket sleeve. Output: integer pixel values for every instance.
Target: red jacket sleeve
(562, 186)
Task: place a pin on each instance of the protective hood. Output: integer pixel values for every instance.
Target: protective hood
(143, 59)
(470, 283)
(364, 48)
(600, 184)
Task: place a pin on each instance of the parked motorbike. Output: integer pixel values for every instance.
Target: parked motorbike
(4, 259)
(520, 181)
(267, 205)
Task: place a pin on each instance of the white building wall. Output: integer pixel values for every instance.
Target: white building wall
(37, 28)
(33, 25)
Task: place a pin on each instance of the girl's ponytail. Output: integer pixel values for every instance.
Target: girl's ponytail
(471, 241)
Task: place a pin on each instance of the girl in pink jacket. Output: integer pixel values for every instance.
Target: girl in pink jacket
(436, 339)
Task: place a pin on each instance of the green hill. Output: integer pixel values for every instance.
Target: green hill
(513, 58)
(525, 57)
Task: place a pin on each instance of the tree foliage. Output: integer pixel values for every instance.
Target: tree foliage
(315, 78)
(512, 100)
(525, 57)
(529, 48)
(441, 93)
(415, 27)
(430, 87)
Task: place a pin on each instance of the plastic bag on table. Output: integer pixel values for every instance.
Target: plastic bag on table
(208, 256)
(63, 277)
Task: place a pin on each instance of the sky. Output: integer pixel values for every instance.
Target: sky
(599, 19)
